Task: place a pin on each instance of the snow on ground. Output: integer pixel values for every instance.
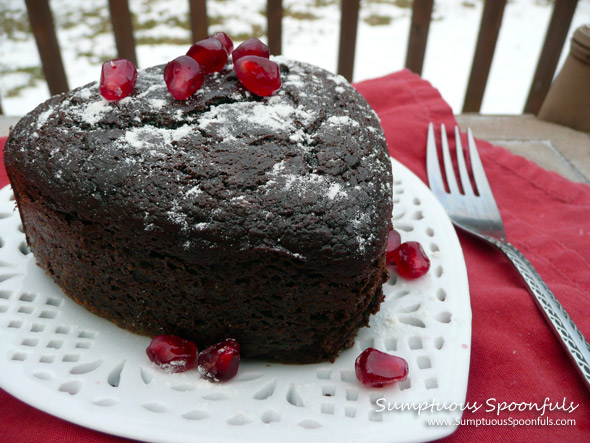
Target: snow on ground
(310, 33)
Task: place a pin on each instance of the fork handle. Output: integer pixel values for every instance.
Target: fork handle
(564, 328)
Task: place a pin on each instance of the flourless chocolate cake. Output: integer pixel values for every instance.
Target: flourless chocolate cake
(264, 219)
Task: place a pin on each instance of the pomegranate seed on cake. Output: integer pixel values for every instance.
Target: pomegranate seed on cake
(210, 53)
(225, 40)
(251, 46)
(259, 75)
(117, 79)
(228, 214)
(183, 76)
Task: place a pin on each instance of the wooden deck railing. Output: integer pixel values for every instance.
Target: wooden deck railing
(491, 21)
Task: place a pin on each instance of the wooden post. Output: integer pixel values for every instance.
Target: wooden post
(348, 28)
(199, 22)
(44, 32)
(123, 29)
(274, 19)
(421, 16)
(491, 21)
(561, 19)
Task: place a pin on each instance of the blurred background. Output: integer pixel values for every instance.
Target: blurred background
(310, 33)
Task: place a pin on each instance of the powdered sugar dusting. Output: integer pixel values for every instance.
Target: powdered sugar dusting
(277, 115)
(334, 191)
(271, 117)
(43, 117)
(94, 111)
(153, 139)
(322, 186)
(157, 103)
(85, 93)
(342, 120)
(295, 80)
(304, 183)
(178, 216)
(194, 191)
(338, 79)
(274, 118)
(278, 167)
(358, 223)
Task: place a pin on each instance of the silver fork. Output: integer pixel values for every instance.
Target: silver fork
(479, 216)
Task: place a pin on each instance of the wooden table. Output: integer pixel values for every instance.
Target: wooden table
(551, 146)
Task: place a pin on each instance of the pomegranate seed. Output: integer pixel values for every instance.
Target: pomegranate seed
(260, 76)
(375, 368)
(183, 76)
(393, 241)
(117, 79)
(210, 54)
(172, 353)
(220, 362)
(251, 46)
(409, 259)
(227, 42)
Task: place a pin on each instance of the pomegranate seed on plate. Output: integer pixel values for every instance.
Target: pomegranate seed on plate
(225, 40)
(376, 369)
(183, 76)
(117, 79)
(221, 361)
(259, 75)
(210, 54)
(409, 259)
(393, 240)
(172, 353)
(251, 46)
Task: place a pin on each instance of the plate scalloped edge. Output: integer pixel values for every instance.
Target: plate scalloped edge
(58, 357)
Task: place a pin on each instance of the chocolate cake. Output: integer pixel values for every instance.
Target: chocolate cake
(264, 219)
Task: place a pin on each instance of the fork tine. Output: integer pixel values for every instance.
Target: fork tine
(448, 163)
(479, 175)
(464, 176)
(435, 179)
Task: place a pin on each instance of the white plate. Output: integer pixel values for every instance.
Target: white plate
(57, 357)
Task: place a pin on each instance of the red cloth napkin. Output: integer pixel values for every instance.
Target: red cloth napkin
(514, 357)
